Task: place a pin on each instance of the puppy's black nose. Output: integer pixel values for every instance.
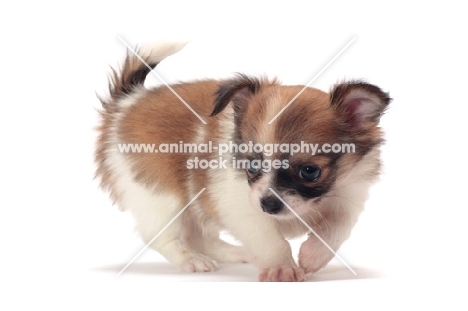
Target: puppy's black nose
(271, 205)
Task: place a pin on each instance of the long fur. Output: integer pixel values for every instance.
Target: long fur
(154, 187)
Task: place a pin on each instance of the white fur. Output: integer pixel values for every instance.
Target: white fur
(156, 52)
(193, 189)
(130, 100)
(200, 136)
(275, 104)
(259, 190)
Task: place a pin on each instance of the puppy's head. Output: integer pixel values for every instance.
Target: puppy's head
(333, 132)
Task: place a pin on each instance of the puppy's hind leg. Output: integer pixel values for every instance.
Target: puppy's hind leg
(152, 214)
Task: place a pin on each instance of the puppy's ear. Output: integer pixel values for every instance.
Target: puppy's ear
(238, 90)
(359, 104)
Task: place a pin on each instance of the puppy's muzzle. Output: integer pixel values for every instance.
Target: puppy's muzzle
(271, 205)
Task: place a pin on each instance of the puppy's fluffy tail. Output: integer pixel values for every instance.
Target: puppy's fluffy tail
(136, 67)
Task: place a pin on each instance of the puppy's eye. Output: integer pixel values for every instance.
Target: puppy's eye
(253, 168)
(310, 173)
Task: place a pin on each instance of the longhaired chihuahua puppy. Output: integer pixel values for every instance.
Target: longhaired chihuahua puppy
(260, 206)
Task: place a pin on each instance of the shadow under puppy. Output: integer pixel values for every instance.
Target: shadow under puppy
(327, 190)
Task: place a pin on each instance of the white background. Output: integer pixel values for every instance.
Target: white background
(63, 242)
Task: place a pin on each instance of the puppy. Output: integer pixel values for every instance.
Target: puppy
(259, 205)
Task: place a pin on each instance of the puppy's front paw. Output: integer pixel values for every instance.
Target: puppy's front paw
(199, 263)
(282, 274)
(313, 256)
